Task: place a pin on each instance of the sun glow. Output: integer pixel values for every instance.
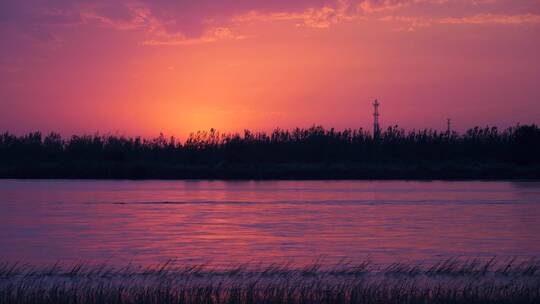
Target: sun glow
(261, 68)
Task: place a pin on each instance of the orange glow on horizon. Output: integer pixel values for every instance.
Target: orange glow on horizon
(264, 67)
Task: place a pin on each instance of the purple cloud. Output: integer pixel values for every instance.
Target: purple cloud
(175, 22)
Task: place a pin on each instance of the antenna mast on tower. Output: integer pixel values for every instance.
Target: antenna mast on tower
(376, 127)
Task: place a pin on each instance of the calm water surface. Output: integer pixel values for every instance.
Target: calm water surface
(268, 221)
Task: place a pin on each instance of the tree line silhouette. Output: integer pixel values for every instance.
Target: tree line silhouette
(313, 152)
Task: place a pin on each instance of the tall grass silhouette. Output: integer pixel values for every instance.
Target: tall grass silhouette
(449, 281)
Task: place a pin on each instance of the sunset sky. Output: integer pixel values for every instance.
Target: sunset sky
(145, 67)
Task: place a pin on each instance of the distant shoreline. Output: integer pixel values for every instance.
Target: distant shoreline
(299, 154)
(146, 171)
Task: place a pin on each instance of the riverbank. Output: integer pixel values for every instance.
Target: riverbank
(267, 171)
(314, 153)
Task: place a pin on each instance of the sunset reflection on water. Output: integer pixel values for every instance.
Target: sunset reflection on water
(271, 221)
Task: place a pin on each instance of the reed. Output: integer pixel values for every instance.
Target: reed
(449, 281)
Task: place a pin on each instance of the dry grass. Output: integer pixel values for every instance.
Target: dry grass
(449, 281)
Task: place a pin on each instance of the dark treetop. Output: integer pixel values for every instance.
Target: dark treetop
(314, 153)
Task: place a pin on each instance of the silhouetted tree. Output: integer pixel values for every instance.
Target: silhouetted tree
(518, 145)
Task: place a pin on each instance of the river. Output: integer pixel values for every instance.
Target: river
(218, 222)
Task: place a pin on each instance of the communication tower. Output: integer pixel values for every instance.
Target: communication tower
(376, 127)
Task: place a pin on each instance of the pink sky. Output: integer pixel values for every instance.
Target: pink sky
(144, 67)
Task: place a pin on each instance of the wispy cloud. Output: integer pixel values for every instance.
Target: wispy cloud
(377, 6)
(493, 19)
(138, 17)
(157, 32)
(211, 35)
(182, 23)
(322, 17)
(412, 23)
